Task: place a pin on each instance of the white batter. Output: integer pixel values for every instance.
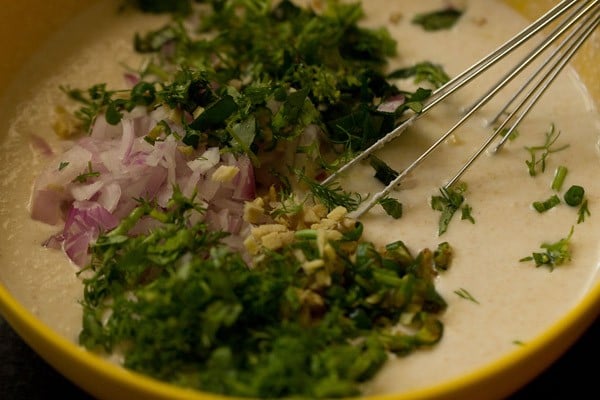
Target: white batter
(517, 301)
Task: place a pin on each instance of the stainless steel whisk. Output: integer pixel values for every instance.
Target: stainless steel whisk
(575, 21)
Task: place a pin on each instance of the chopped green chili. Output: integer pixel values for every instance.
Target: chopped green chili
(559, 178)
(543, 206)
(574, 196)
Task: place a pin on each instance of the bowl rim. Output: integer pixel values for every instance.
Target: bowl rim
(496, 379)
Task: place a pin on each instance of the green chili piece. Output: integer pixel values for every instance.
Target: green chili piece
(442, 256)
(543, 206)
(559, 177)
(574, 196)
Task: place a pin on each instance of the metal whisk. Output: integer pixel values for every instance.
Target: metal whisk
(575, 21)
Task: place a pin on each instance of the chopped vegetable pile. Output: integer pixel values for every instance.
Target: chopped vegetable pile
(211, 255)
(313, 319)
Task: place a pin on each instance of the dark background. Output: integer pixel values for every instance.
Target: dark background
(25, 376)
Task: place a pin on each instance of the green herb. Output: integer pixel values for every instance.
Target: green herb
(63, 165)
(314, 319)
(556, 253)
(574, 196)
(438, 20)
(423, 72)
(383, 172)
(543, 206)
(583, 211)
(466, 213)
(324, 70)
(450, 201)
(391, 206)
(465, 295)
(183, 308)
(559, 178)
(94, 99)
(539, 154)
(89, 174)
(215, 114)
(97, 99)
(331, 194)
(518, 342)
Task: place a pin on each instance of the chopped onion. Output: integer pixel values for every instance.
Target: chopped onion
(106, 172)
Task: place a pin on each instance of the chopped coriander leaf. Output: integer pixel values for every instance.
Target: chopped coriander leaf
(543, 206)
(556, 254)
(215, 114)
(97, 99)
(438, 20)
(466, 213)
(94, 100)
(583, 211)
(422, 72)
(450, 201)
(113, 115)
(324, 70)
(465, 295)
(539, 154)
(63, 165)
(574, 196)
(392, 207)
(559, 178)
(383, 172)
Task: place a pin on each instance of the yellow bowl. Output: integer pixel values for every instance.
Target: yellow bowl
(28, 23)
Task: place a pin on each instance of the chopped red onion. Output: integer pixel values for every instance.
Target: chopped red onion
(109, 170)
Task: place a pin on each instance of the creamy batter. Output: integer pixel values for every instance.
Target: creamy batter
(517, 301)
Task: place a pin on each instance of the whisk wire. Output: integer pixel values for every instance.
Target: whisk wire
(559, 65)
(556, 62)
(535, 52)
(588, 11)
(557, 52)
(462, 79)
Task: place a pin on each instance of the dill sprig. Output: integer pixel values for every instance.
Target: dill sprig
(463, 293)
(331, 194)
(539, 154)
